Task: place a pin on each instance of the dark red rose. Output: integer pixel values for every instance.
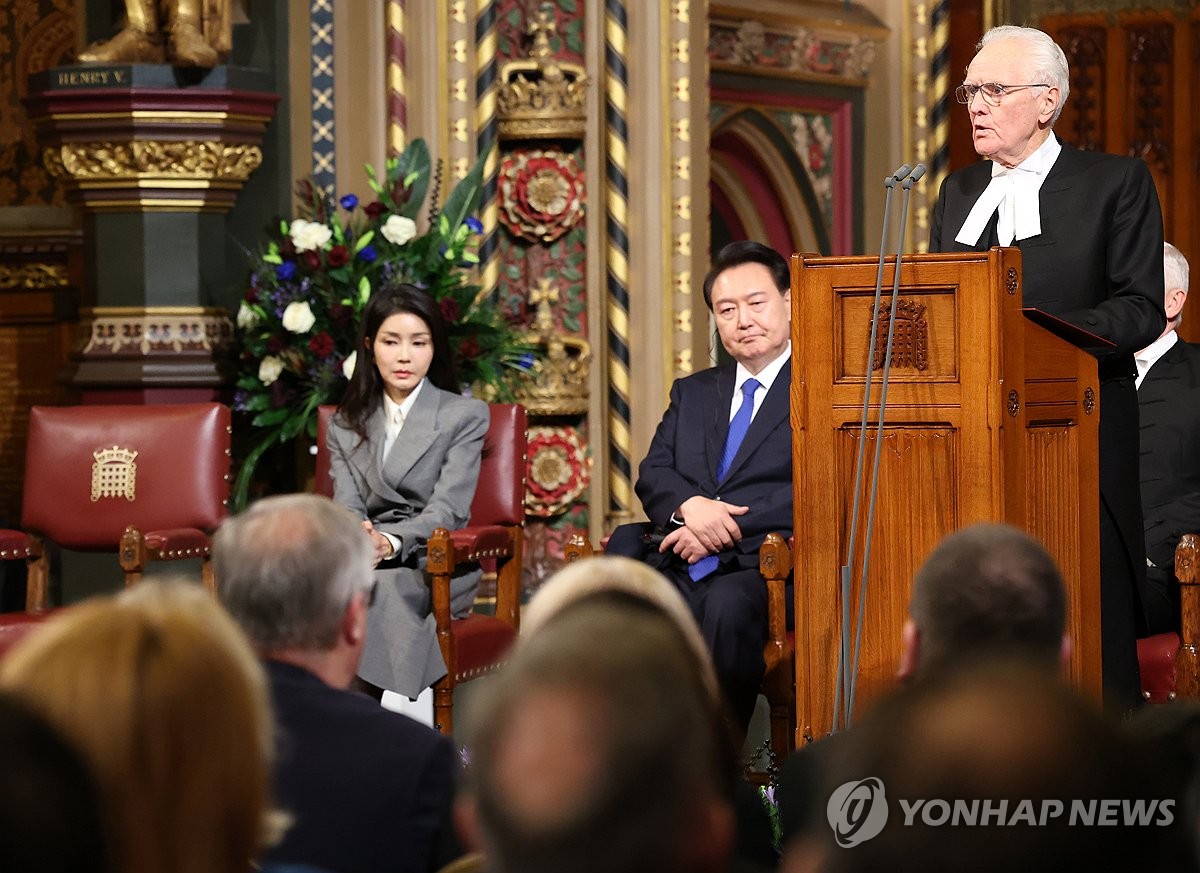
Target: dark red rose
(469, 349)
(274, 345)
(321, 345)
(450, 309)
(252, 295)
(340, 313)
(311, 260)
(287, 249)
(338, 256)
(375, 208)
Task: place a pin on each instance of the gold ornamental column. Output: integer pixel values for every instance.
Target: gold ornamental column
(154, 167)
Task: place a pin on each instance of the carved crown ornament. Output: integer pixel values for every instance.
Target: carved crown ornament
(558, 383)
(541, 97)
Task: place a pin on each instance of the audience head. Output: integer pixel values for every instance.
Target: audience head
(1001, 735)
(295, 572)
(605, 702)
(398, 307)
(49, 804)
(1009, 127)
(1175, 273)
(987, 587)
(165, 699)
(749, 293)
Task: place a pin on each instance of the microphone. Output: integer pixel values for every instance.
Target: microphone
(901, 171)
(913, 178)
(904, 171)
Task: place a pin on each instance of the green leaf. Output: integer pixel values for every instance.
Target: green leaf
(364, 289)
(363, 241)
(464, 199)
(241, 485)
(413, 164)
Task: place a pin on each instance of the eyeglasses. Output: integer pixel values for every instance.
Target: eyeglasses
(993, 92)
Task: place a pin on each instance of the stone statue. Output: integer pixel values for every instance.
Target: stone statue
(187, 33)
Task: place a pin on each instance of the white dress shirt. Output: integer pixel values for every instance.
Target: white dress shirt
(1148, 357)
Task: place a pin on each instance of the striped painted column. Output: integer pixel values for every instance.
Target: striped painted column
(620, 489)
(939, 98)
(487, 125)
(459, 96)
(397, 85)
(320, 24)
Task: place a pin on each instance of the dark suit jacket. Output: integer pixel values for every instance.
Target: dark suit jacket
(1170, 409)
(1097, 264)
(370, 790)
(686, 449)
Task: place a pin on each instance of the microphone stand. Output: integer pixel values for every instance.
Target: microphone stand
(844, 648)
(907, 185)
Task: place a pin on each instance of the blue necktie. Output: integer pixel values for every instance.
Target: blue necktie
(737, 432)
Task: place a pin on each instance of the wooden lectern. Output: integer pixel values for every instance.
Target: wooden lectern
(989, 417)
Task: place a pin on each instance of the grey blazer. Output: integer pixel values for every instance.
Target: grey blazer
(427, 481)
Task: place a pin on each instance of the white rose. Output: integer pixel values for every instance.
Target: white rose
(398, 230)
(246, 317)
(298, 317)
(269, 369)
(308, 235)
(348, 365)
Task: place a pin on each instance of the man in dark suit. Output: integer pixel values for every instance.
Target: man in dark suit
(1090, 231)
(718, 476)
(1169, 401)
(368, 790)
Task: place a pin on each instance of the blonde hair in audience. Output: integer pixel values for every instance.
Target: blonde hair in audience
(165, 698)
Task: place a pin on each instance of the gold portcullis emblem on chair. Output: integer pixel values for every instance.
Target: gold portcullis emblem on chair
(114, 473)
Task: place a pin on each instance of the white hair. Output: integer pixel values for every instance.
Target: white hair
(1175, 267)
(1049, 62)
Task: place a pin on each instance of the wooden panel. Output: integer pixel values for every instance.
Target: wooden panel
(954, 451)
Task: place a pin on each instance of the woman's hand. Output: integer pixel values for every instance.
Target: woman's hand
(381, 544)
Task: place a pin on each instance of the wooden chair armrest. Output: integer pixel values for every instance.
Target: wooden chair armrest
(577, 546)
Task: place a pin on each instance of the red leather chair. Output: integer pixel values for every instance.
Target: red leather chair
(495, 533)
(1170, 666)
(15, 626)
(475, 645)
(149, 482)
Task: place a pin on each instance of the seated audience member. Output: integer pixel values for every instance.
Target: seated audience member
(368, 790)
(718, 475)
(1170, 736)
(990, 733)
(1168, 386)
(600, 745)
(987, 587)
(163, 696)
(49, 803)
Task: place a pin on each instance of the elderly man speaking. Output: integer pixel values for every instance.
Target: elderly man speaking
(1090, 231)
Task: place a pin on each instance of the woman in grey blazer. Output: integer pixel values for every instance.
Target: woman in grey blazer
(404, 451)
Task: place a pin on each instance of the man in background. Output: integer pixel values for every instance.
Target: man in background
(1168, 385)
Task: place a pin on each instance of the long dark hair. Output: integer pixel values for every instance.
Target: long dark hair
(364, 394)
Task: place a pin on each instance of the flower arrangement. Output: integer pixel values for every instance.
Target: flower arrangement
(298, 322)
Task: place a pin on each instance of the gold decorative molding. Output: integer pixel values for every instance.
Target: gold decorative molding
(32, 275)
(822, 47)
(200, 163)
(558, 382)
(112, 331)
(541, 97)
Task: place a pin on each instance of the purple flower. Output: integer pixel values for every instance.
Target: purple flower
(239, 400)
(367, 255)
(474, 224)
(285, 271)
(348, 202)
